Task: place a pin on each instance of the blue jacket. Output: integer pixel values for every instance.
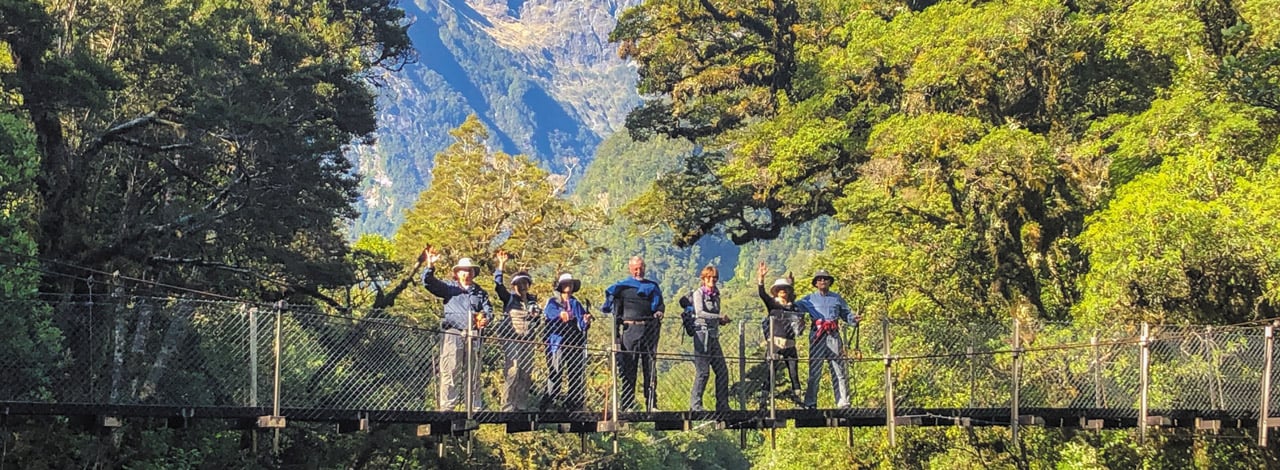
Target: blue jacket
(573, 332)
(825, 307)
(460, 303)
(645, 288)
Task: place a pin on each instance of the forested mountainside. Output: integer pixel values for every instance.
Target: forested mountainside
(540, 75)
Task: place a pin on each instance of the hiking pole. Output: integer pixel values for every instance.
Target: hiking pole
(857, 340)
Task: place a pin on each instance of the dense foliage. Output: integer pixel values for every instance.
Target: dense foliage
(198, 143)
(1093, 162)
(1028, 158)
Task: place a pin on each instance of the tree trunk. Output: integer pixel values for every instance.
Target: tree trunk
(137, 353)
(178, 326)
(117, 354)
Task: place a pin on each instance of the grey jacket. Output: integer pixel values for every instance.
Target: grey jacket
(706, 312)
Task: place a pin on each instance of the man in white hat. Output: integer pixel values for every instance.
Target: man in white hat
(826, 309)
(567, 324)
(466, 307)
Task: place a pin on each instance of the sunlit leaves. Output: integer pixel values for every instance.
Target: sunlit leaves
(481, 200)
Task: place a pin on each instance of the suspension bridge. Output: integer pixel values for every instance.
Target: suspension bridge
(265, 366)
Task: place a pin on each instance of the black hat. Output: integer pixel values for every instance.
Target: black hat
(822, 274)
(521, 276)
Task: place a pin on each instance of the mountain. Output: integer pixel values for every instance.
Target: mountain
(540, 74)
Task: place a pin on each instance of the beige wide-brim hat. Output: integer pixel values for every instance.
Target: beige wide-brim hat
(465, 263)
(566, 277)
(781, 283)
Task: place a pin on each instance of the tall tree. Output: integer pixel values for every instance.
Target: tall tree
(482, 200)
(717, 71)
(200, 143)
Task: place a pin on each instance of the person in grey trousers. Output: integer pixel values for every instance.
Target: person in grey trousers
(517, 329)
(466, 307)
(708, 356)
(826, 309)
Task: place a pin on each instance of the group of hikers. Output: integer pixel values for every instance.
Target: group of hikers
(637, 305)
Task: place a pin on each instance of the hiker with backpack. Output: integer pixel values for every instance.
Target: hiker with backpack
(708, 356)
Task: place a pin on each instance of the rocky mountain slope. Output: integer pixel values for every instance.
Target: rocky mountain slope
(540, 74)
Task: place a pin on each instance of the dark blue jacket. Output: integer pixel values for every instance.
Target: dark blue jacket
(460, 304)
(572, 332)
(645, 289)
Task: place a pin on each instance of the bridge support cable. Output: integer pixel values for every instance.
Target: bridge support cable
(357, 370)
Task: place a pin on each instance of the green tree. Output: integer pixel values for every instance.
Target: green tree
(200, 142)
(481, 201)
(32, 346)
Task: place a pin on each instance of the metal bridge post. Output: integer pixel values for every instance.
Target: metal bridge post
(93, 383)
(770, 355)
(1145, 364)
(742, 362)
(469, 375)
(1016, 400)
(890, 419)
(742, 375)
(973, 374)
(253, 357)
(275, 400)
(613, 379)
(1098, 401)
(1264, 412)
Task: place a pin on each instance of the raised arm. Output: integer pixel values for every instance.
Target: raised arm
(498, 287)
(769, 302)
(434, 285)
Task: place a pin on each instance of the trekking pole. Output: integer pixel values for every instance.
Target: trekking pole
(857, 340)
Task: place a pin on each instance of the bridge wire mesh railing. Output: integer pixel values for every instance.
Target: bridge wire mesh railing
(198, 353)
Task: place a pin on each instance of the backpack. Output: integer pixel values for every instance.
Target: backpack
(686, 314)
